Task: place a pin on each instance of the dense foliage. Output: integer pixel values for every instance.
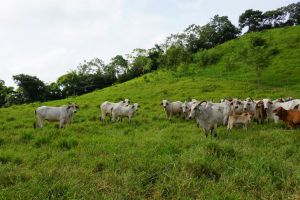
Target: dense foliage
(177, 52)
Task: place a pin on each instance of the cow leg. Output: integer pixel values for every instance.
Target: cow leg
(40, 122)
(103, 116)
(206, 133)
(228, 126)
(61, 123)
(170, 115)
(214, 131)
(291, 125)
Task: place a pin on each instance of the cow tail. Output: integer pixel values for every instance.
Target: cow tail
(34, 123)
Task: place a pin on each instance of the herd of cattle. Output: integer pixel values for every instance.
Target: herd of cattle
(208, 115)
(232, 112)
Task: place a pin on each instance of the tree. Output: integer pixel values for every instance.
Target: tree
(252, 19)
(32, 88)
(69, 83)
(155, 55)
(120, 64)
(223, 30)
(175, 56)
(3, 93)
(257, 55)
(293, 12)
(53, 92)
(273, 18)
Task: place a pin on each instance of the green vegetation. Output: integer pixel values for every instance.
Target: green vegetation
(152, 157)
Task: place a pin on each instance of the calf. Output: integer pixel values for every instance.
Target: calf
(172, 108)
(235, 119)
(290, 117)
(124, 111)
(63, 114)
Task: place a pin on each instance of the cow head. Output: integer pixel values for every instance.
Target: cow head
(248, 103)
(280, 112)
(165, 103)
(267, 104)
(135, 106)
(193, 109)
(72, 108)
(126, 102)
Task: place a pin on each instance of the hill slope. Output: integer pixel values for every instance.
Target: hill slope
(152, 157)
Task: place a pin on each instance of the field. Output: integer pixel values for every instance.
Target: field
(152, 157)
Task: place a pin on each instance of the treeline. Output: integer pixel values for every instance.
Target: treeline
(180, 49)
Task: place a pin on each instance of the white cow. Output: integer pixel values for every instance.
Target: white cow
(124, 111)
(63, 114)
(172, 108)
(106, 107)
(237, 106)
(249, 105)
(208, 118)
(186, 108)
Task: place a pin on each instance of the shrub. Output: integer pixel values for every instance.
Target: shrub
(207, 57)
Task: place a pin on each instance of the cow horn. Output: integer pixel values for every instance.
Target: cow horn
(202, 102)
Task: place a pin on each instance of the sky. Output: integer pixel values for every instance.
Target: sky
(48, 38)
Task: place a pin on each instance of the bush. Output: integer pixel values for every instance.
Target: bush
(207, 57)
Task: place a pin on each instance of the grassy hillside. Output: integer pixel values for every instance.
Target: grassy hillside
(152, 157)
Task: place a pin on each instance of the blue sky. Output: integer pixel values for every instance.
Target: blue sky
(47, 38)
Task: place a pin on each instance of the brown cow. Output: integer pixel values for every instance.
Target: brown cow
(290, 117)
(260, 112)
(244, 119)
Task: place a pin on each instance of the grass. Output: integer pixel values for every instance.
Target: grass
(152, 157)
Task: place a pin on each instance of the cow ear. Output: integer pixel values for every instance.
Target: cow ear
(77, 107)
(161, 103)
(69, 107)
(271, 102)
(231, 103)
(132, 107)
